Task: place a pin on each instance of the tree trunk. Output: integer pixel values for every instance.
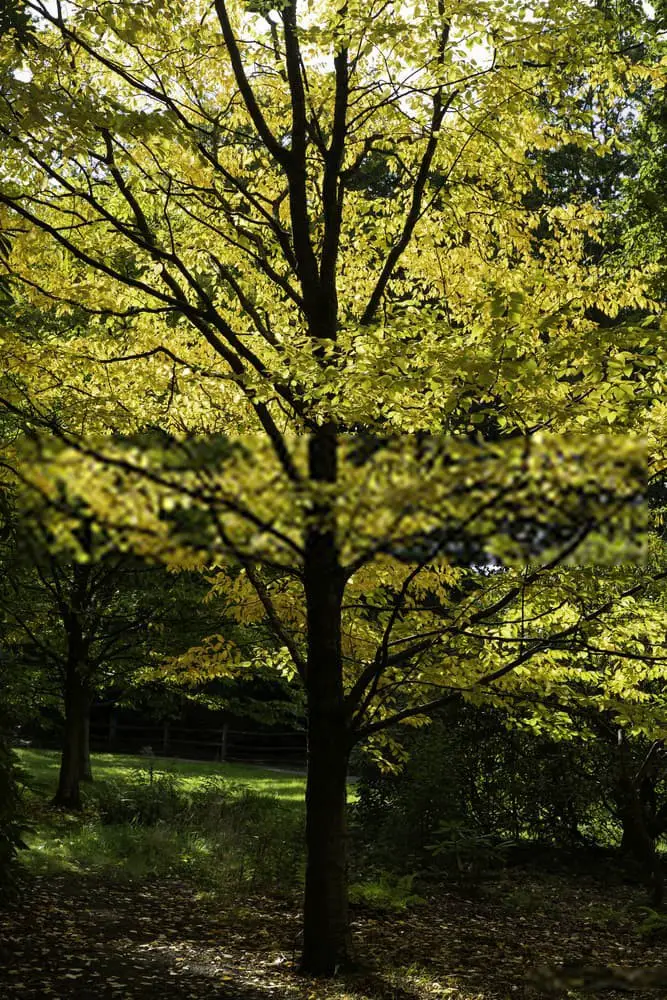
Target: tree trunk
(638, 842)
(636, 810)
(326, 937)
(68, 794)
(86, 769)
(76, 693)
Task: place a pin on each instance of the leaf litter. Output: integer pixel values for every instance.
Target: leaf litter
(80, 936)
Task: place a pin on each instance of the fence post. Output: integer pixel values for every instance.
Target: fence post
(223, 743)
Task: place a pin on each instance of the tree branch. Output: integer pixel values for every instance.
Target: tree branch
(281, 155)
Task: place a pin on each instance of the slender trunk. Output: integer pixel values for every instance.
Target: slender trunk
(638, 838)
(68, 794)
(638, 842)
(76, 692)
(326, 938)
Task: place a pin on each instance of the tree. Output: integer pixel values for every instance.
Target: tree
(86, 620)
(76, 622)
(302, 244)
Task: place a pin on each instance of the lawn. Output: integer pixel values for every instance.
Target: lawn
(42, 766)
(223, 826)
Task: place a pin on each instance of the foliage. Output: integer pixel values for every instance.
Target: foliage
(220, 836)
(386, 893)
(472, 784)
(466, 850)
(15, 23)
(177, 282)
(654, 924)
(640, 219)
(120, 622)
(233, 833)
(140, 802)
(12, 819)
(55, 590)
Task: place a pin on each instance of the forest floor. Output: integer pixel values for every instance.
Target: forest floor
(84, 937)
(208, 908)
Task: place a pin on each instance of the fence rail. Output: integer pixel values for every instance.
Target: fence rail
(222, 744)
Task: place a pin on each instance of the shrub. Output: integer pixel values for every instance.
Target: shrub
(653, 925)
(386, 892)
(466, 849)
(11, 821)
(141, 801)
(469, 787)
(219, 834)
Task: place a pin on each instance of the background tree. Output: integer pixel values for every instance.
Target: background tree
(73, 620)
(85, 621)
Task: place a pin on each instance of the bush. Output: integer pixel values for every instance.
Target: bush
(469, 788)
(11, 821)
(141, 801)
(386, 892)
(654, 924)
(219, 834)
(466, 849)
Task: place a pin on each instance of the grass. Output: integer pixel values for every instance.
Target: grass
(223, 826)
(42, 766)
(228, 828)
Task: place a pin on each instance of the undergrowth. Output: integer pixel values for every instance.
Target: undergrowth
(217, 833)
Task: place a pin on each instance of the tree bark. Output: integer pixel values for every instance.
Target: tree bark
(76, 694)
(86, 769)
(326, 937)
(77, 704)
(635, 814)
(638, 841)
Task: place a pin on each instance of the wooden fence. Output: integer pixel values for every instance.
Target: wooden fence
(223, 743)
